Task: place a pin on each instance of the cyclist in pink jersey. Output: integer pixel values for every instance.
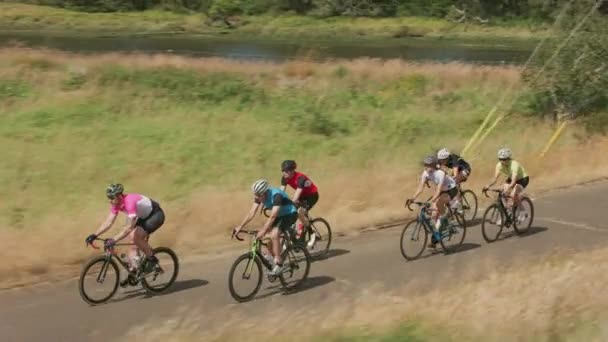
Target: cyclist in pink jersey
(144, 217)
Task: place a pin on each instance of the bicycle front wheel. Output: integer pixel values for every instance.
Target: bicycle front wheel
(245, 277)
(98, 280)
(469, 205)
(165, 273)
(413, 240)
(454, 234)
(322, 235)
(296, 260)
(523, 216)
(492, 223)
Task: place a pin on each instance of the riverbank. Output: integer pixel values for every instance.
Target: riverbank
(20, 17)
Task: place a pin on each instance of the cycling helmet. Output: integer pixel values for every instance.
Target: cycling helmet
(260, 186)
(504, 153)
(114, 190)
(288, 165)
(430, 161)
(443, 154)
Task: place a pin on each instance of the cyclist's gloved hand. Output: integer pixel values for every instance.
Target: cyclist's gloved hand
(109, 243)
(89, 240)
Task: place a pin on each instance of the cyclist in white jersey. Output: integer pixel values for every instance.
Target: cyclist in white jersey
(445, 190)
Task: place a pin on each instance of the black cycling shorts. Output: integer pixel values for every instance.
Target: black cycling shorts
(523, 182)
(309, 201)
(285, 222)
(452, 192)
(154, 221)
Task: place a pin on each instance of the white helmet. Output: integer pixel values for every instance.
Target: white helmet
(260, 186)
(504, 153)
(443, 154)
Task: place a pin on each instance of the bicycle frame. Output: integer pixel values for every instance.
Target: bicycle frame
(500, 202)
(110, 253)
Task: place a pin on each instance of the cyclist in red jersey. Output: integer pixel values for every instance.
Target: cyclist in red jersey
(305, 197)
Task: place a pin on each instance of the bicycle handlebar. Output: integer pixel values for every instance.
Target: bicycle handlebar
(250, 232)
(485, 191)
(420, 204)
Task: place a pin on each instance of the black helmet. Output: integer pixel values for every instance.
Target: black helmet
(288, 165)
(114, 190)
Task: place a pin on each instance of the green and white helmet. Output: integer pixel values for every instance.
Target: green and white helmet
(114, 190)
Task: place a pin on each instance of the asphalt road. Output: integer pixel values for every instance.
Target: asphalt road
(566, 222)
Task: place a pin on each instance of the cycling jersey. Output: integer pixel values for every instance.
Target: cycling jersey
(300, 181)
(439, 178)
(455, 160)
(278, 197)
(134, 205)
(512, 167)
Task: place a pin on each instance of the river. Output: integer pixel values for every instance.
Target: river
(277, 50)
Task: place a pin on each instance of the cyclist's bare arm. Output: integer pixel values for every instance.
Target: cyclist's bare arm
(107, 224)
(419, 190)
(249, 217)
(271, 218)
(131, 221)
(297, 194)
(454, 171)
(496, 175)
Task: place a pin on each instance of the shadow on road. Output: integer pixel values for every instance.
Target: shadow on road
(330, 254)
(466, 246)
(531, 231)
(178, 286)
(310, 283)
(474, 222)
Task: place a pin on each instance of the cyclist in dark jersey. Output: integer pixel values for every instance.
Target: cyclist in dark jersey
(305, 197)
(461, 170)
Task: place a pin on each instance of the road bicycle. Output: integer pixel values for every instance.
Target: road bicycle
(453, 231)
(103, 270)
(295, 258)
(497, 216)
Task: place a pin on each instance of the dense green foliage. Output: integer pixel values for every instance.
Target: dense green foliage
(459, 10)
(570, 77)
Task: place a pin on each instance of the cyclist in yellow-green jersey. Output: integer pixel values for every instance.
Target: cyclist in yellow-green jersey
(517, 177)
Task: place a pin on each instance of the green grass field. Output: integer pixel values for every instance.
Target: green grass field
(195, 133)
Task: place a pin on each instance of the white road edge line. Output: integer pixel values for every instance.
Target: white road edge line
(573, 224)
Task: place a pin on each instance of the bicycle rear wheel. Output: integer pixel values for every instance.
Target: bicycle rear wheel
(523, 216)
(245, 267)
(415, 233)
(322, 231)
(297, 261)
(164, 276)
(469, 205)
(453, 236)
(492, 223)
(99, 271)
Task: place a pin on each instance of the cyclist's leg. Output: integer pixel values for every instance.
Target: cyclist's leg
(519, 188)
(132, 252)
(144, 229)
(275, 244)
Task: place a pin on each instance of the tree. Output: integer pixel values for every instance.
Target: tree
(570, 79)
